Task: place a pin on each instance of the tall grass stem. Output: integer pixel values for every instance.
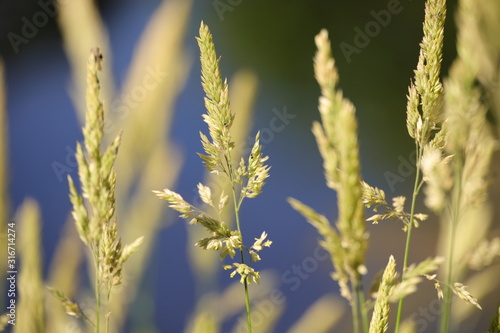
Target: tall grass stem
(245, 283)
(455, 212)
(416, 189)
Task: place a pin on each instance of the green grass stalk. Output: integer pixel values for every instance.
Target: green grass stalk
(359, 313)
(416, 190)
(247, 179)
(337, 141)
(355, 314)
(454, 218)
(360, 294)
(245, 282)
(97, 291)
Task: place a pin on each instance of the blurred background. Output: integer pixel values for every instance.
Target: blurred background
(273, 43)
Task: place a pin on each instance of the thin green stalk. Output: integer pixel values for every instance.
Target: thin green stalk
(358, 308)
(362, 300)
(106, 310)
(97, 295)
(416, 188)
(355, 312)
(448, 294)
(247, 305)
(237, 205)
(218, 159)
(247, 297)
(457, 194)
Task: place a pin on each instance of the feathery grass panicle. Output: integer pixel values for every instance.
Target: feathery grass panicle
(425, 95)
(217, 157)
(97, 228)
(337, 141)
(459, 290)
(218, 117)
(425, 92)
(470, 143)
(375, 198)
(204, 264)
(249, 177)
(424, 119)
(380, 317)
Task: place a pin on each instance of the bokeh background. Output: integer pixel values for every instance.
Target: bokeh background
(275, 41)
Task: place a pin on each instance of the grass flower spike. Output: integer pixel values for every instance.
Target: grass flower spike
(336, 137)
(380, 318)
(470, 145)
(96, 225)
(246, 177)
(424, 117)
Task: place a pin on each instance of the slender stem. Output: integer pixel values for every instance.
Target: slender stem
(97, 294)
(447, 293)
(455, 212)
(247, 306)
(245, 282)
(237, 205)
(107, 314)
(361, 296)
(416, 189)
(355, 309)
